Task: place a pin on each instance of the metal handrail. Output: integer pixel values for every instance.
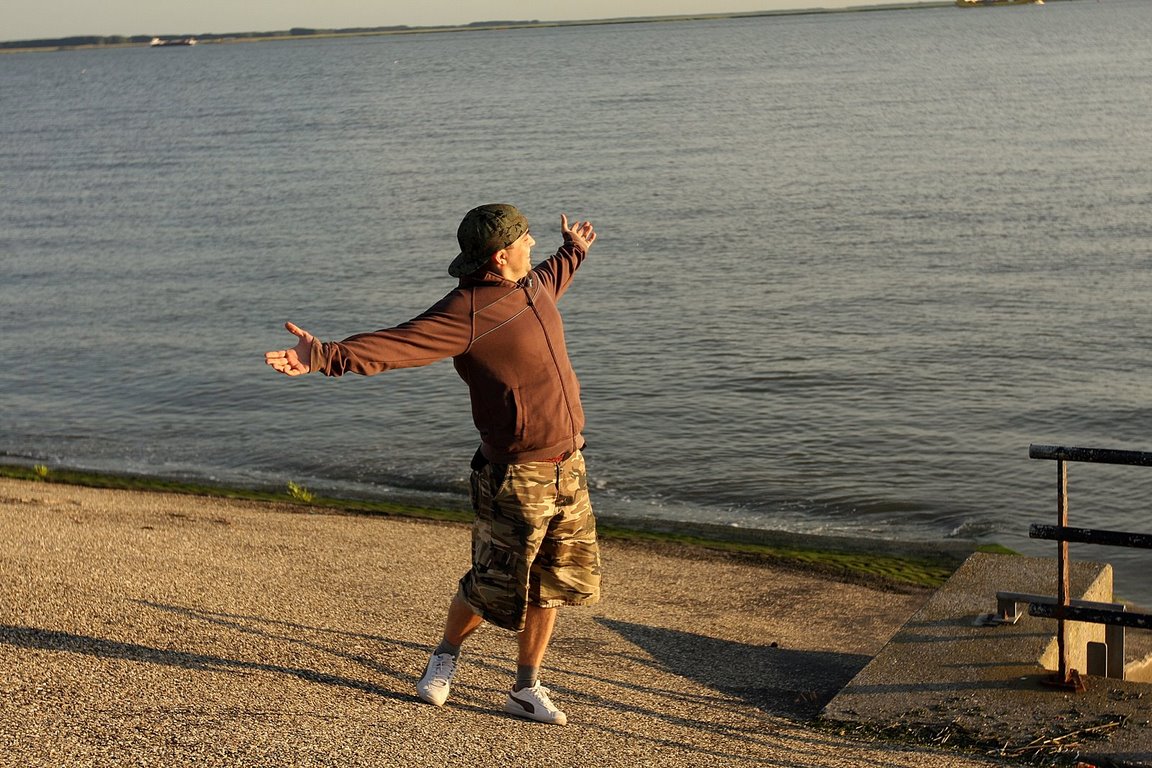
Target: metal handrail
(1062, 609)
(1096, 455)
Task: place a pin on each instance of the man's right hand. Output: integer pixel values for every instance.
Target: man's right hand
(296, 361)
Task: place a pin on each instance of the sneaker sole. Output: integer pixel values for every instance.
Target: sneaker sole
(435, 701)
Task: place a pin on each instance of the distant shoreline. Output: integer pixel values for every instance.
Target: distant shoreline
(890, 564)
(80, 42)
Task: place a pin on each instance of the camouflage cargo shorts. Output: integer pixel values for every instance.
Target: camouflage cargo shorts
(533, 540)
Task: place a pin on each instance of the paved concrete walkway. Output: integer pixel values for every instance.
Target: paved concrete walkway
(161, 630)
(948, 671)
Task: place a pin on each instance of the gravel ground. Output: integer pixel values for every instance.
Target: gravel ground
(143, 629)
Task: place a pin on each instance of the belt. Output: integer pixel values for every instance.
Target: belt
(479, 461)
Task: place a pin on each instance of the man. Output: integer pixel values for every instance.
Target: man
(534, 538)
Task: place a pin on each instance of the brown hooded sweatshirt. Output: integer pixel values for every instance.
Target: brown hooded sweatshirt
(506, 341)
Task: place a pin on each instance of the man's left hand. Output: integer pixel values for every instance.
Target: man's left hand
(580, 233)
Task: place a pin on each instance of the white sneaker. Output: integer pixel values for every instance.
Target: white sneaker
(437, 680)
(534, 704)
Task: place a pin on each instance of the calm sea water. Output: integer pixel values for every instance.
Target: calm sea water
(850, 265)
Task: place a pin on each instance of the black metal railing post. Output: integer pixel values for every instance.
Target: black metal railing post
(1064, 576)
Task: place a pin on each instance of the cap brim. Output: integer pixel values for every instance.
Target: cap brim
(464, 265)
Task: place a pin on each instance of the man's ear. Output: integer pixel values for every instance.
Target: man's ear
(500, 258)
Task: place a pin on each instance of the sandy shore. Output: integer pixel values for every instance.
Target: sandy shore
(141, 628)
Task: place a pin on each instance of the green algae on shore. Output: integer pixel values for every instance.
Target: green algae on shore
(891, 564)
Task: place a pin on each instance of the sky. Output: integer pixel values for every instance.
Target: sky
(33, 19)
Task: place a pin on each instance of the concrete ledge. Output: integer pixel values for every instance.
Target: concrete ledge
(946, 670)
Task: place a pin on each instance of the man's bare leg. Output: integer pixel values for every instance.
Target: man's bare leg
(528, 698)
(437, 681)
(461, 622)
(533, 641)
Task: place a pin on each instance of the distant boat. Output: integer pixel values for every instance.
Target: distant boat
(981, 3)
(158, 43)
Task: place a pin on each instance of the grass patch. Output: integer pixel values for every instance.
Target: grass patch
(300, 493)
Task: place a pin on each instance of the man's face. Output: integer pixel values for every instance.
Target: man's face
(517, 257)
